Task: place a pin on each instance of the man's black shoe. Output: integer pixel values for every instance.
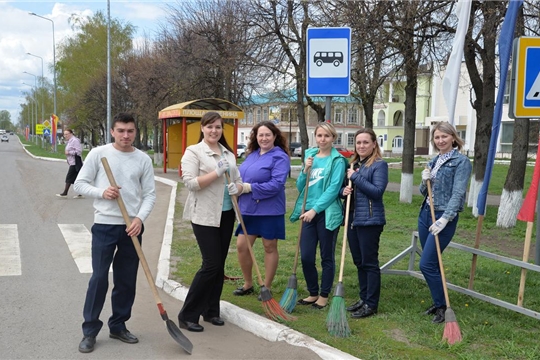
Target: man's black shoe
(87, 344)
(356, 306)
(190, 326)
(216, 320)
(431, 310)
(125, 336)
(439, 315)
(364, 312)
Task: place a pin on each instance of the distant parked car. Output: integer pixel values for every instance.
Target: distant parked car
(241, 151)
(293, 146)
(344, 152)
(297, 151)
(4, 138)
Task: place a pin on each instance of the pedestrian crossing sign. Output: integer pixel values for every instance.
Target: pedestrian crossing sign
(525, 92)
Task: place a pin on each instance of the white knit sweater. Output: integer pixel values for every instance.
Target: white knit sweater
(133, 173)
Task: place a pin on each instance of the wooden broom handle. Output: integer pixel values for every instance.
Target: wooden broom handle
(234, 199)
(437, 245)
(344, 245)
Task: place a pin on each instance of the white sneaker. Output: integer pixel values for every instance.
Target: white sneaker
(62, 196)
(78, 197)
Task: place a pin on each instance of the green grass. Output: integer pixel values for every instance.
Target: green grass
(44, 149)
(399, 331)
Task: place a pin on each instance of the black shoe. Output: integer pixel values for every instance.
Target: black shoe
(431, 310)
(216, 320)
(125, 336)
(356, 306)
(190, 326)
(87, 344)
(304, 302)
(363, 312)
(439, 315)
(241, 291)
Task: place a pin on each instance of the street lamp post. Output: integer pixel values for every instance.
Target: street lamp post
(35, 95)
(42, 80)
(54, 67)
(32, 127)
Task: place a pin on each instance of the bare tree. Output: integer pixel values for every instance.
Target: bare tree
(511, 197)
(480, 58)
(415, 26)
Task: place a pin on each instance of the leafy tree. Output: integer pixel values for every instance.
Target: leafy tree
(5, 120)
(82, 70)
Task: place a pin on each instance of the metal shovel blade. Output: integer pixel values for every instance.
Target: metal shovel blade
(178, 336)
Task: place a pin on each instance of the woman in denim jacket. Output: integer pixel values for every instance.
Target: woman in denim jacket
(369, 178)
(449, 173)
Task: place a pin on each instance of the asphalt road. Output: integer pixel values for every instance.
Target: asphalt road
(41, 305)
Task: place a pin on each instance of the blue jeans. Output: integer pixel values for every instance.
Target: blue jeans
(364, 245)
(429, 262)
(111, 244)
(313, 233)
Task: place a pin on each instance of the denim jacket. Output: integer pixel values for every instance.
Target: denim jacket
(450, 185)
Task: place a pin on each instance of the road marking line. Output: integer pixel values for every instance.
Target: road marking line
(10, 252)
(79, 241)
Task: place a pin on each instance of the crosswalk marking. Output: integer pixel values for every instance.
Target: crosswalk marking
(79, 241)
(10, 252)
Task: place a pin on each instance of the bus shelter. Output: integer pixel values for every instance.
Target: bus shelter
(181, 124)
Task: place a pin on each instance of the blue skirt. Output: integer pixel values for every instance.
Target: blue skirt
(268, 227)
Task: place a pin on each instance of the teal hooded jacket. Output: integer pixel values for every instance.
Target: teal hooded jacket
(329, 201)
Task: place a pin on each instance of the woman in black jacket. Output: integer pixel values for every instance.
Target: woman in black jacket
(369, 178)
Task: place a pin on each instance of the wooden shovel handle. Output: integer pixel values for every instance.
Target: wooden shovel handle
(135, 240)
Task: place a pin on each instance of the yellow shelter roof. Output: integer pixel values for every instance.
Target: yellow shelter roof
(197, 108)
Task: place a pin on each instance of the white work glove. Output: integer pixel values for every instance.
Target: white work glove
(246, 188)
(222, 166)
(438, 226)
(233, 189)
(426, 175)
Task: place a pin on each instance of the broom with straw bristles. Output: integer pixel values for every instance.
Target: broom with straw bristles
(452, 333)
(288, 299)
(336, 320)
(271, 307)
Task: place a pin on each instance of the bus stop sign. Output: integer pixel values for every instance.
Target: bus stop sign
(328, 61)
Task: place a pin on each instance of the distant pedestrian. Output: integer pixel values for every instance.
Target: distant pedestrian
(262, 203)
(369, 178)
(449, 173)
(209, 207)
(73, 153)
(111, 239)
(323, 215)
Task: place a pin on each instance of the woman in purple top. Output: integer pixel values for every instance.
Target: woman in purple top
(262, 203)
(73, 148)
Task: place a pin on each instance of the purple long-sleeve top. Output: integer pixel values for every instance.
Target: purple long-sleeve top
(267, 175)
(73, 147)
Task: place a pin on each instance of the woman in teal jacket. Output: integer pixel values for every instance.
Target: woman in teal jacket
(323, 215)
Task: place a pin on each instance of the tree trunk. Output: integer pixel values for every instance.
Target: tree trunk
(407, 167)
(511, 198)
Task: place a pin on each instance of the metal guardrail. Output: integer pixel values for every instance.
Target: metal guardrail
(414, 250)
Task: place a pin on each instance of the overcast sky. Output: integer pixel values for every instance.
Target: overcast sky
(21, 33)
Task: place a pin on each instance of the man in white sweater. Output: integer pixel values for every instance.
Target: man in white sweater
(111, 239)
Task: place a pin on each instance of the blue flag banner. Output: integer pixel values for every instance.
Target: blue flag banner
(505, 51)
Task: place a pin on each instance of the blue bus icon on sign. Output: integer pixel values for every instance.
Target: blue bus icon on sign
(328, 57)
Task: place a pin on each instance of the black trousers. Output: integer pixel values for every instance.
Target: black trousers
(111, 244)
(205, 290)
